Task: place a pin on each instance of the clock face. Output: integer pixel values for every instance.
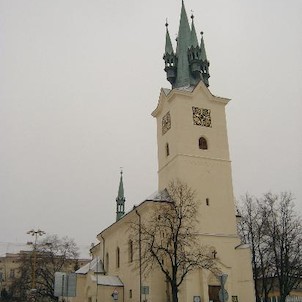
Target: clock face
(166, 123)
(202, 117)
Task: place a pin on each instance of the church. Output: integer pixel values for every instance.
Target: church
(192, 146)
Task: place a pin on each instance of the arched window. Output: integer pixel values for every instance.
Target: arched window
(167, 149)
(130, 251)
(117, 257)
(203, 144)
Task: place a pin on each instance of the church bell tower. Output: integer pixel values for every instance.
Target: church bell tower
(192, 130)
(193, 147)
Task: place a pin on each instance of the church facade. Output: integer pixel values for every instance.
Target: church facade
(192, 147)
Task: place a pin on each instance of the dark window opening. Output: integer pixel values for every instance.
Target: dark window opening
(167, 149)
(203, 144)
(130, 251)
(207, 201)
(118, 257)
(107, 262)
(214, 293)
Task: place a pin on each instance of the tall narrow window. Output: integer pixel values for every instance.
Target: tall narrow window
(130, 250)
(118, 257)
(12, 273)
(167, 149)
(107, 263)
(203, 144)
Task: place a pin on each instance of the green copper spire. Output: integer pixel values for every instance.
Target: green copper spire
(194, 41)
(205, 63)
(183, 44)
(120, 200)
(168, 47)
(170, 58)
(189, 65)
(203, 50)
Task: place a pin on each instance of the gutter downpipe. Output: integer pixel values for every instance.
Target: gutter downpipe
(97, 269)
(140, 253)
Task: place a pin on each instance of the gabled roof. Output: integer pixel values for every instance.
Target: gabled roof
(107, 280)
(168, 94)
(162, 196)
(95, 265)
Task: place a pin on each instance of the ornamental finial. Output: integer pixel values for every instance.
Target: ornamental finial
(192, 14)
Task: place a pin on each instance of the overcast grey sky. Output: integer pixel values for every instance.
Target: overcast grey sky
(79, 80)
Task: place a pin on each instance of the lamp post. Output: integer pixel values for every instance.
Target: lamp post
(35, 234)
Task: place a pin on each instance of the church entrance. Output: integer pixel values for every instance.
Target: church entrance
(214, 293)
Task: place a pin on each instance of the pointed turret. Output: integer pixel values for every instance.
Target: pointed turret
(168, 47)
(194, 54)
(205, 63)
(170, 59)
(186, 67)
(194, 40)
(120, 200)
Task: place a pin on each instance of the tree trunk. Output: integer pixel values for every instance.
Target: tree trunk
(174, 292)
(282, 298)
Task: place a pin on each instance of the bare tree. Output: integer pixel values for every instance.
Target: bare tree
(274, 231)
(169, 239)
(285, 239)
(252, 228)
(53, 254)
